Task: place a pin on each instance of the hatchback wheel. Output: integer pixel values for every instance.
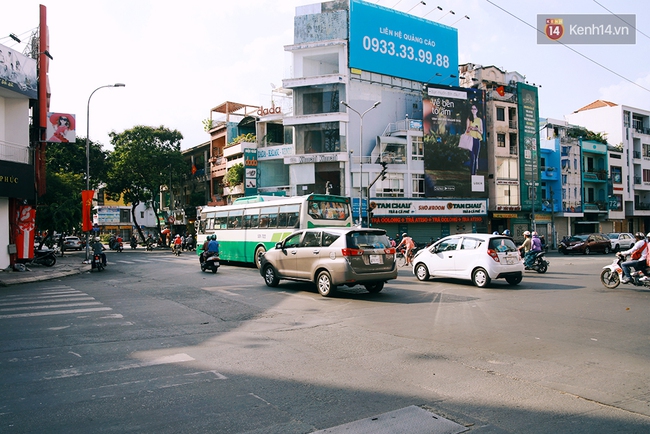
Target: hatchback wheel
(270, 277)
(606, 250)
(324, 284)
(514, 280)
(587, 251)
(481, 278)
(422, 272)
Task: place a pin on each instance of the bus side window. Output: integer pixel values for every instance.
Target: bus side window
(292, 220)
(282, 220)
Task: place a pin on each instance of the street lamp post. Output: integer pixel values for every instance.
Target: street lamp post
(361, 115)
(88, 152)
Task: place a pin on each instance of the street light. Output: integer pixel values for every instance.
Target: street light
(88, 152)
(361, 115)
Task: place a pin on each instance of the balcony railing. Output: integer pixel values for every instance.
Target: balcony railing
(636, 154)
(637, 180)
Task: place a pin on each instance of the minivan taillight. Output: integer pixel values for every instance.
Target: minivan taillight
(494, 255)
(390, 251)
(352, 252)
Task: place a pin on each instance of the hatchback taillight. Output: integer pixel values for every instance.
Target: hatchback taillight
(352, 252)
(494, 255)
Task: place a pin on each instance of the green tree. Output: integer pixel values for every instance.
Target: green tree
(235, 175)
(143, 160)
(59, 209)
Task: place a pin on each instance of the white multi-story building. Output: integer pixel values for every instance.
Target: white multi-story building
(627, 129)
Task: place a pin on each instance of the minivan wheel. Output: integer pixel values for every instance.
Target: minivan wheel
(481, 278)
(270, 277)
(374, 287)
(606, 250)
(324, 284)
(422, 272)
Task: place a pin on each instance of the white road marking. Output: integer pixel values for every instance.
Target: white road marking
(53, 312)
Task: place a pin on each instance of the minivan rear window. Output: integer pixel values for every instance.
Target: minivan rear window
(368, 240)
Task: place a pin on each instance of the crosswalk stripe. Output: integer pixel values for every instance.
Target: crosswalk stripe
(54, 312)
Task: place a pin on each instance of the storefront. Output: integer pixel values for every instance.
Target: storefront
(427, 220)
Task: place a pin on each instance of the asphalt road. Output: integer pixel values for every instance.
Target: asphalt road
(154, 345)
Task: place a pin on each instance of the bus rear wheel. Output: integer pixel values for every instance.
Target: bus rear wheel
(259, 251)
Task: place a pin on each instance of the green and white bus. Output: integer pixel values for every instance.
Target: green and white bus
(254, 224)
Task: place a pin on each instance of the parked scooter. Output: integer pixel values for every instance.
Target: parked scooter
(211, 263)
(540, 264)
(612, 275)
(43, 257)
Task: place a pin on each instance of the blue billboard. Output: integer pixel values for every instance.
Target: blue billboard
(393, 43)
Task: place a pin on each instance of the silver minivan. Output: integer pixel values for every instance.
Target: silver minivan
(330, 257)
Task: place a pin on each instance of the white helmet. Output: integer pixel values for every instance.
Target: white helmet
(526, 233)
(534, 233)
(96, 238)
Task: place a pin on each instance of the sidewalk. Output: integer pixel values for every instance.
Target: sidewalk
(69, 264)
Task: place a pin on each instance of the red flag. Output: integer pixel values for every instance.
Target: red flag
(86, 206)
(501, 91)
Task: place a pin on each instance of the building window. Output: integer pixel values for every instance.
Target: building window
(617, 175)
(646, 175)
(626, 118)
(318, 99)
(513, 144)
(125, 216)
(393, 153)
(501, 114)
(418, 185)
(507, 168)
(417, 148)
(646, 150)
(392, 186)
(507, 195)
(317, 138)
(501, 140)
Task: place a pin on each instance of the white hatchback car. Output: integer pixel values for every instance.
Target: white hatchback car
(477, 257)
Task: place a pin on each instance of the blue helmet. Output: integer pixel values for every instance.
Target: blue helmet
(506, 232)
(495, 233)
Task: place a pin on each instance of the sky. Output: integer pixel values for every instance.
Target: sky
(178, 60)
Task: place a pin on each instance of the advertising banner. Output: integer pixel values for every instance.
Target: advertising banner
(250, 171)
(25, 231)
(86, 206)
(17, 72)
(528, 113)
(394, 43)
(455, 152)
(61, 128)
(17, 180)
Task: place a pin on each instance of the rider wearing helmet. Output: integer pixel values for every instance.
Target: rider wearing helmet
(409, 245)
(213, 246)
(178, 242)
(637, 254)
(98, 249)
(535, 248)
(525, 246)
(506, 232)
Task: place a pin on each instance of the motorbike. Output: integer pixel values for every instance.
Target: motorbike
(612, 275)
(176, 248)
(539, 264)
(113, 244)
(134, 244)
(211, 263)
(96, 263)
(43, 257)
(149, 245)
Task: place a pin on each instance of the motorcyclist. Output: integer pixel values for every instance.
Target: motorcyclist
(98, 249)
(213, 246)
(506, 232)
(638, 253)
(535, 248)
(525, 246)
(178, 242)
(149, 241)
(134, 241)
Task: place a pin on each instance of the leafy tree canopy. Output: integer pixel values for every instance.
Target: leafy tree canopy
(143, 160)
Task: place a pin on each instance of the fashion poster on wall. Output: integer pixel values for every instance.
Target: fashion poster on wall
(61, 128)
(455, 152)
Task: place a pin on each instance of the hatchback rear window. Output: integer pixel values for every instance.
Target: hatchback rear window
(503, 245)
